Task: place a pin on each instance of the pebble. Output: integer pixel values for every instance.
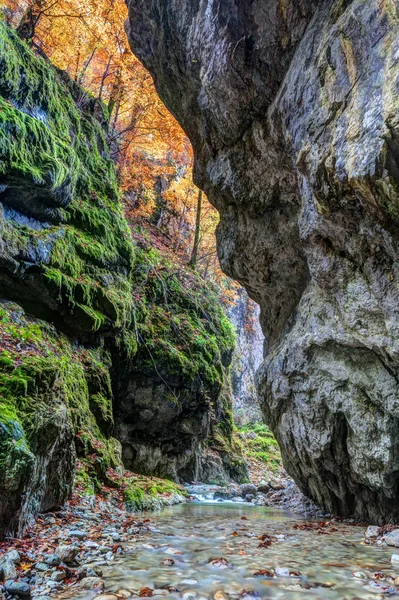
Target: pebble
(41, 567)
(92, 583)
(18, 588)
(282, 572)
(189, 582)
(107, 597)
(58, 576)
(123, 592)
(220, 595)
(189, 596)
(395, 558)
(359, 575)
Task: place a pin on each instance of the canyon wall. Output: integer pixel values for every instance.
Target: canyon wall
(292, 109)
(111, 355)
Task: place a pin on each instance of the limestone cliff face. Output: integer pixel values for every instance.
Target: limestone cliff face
(247, 357)
(293, 111)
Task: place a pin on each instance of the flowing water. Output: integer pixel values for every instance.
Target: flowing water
(326, 561)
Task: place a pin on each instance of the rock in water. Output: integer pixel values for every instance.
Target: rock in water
(292, 109)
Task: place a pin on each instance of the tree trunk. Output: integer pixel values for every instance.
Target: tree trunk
(194, 254)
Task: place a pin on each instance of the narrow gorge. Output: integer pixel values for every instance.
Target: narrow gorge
(292, 110)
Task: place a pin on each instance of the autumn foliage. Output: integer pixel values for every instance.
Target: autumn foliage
(153, 156)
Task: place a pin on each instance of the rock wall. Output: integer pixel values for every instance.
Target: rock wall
(292, 109)
(101, 336)
(247, 358)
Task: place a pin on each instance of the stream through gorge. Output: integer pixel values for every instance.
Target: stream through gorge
(225, 550)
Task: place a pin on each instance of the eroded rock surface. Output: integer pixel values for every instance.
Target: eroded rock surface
(292, 108)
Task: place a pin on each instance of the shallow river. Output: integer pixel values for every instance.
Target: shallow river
(309, 563)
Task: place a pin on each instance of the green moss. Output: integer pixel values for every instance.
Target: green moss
(53, 145)
(259, 444)
(40, 371)
(181, 324)
(144, 493)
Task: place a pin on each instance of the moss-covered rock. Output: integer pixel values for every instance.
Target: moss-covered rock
(56, 404)
(65, 247)
(170, 392)
(116, 330)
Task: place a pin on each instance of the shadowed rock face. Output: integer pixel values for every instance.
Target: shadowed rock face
(293, 110)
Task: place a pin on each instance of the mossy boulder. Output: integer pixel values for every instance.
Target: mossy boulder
(56, 404)
(65, 248)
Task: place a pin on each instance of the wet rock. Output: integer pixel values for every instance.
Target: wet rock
(248, 488)
(249, 497)
(67, 554)
(41, 567)
(92, 583)
(392, 538)
(220, 563)
(372, 531)
(18, 588)
(264, 487)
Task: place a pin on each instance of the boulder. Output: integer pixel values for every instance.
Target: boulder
(392, 538)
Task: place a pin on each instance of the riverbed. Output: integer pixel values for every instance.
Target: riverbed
(201, 550)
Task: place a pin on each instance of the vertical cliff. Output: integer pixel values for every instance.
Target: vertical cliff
(244, 315)
(292, 108)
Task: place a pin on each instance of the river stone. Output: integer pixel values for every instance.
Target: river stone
(248, 489)
(92, 583)
(78, 533)
(392, 538)
(58, 576)
(14, 556)
(67, 554)
(292, 109)
(53, 560)
(18, 588)
(8, 570)
(264, 488)
(372, 531)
